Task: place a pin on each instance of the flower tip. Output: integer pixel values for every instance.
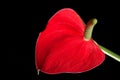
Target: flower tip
(94, 20)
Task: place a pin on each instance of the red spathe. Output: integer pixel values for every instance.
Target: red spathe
(61, 47)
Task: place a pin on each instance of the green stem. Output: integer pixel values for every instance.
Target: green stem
(110, 53)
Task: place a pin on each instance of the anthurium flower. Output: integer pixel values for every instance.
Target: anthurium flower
(66, 45)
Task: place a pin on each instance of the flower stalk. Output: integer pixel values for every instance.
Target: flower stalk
(110, 53)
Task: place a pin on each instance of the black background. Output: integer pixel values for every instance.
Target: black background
(26, 19)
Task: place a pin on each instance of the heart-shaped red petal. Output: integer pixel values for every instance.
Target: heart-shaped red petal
(61, 47)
